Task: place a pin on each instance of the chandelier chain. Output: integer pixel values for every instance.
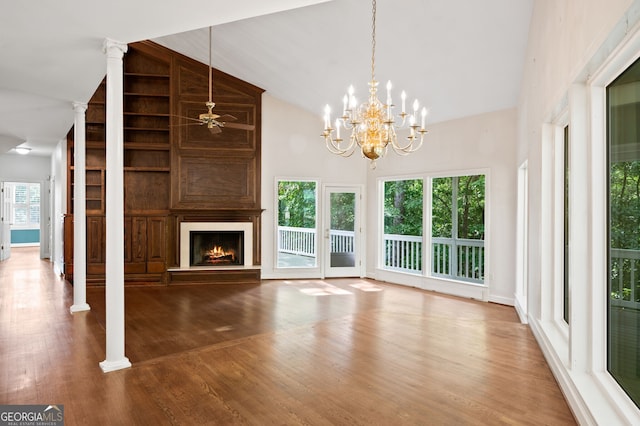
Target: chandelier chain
(373, 41)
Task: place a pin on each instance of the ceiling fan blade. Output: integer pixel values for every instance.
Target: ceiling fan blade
(227, 117)
(240, 126)
(182, 117)
(197, 123)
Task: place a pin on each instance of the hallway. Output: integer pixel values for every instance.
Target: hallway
(319, 352)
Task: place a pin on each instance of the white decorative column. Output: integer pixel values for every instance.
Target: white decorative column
(79, 211)
(114, 256)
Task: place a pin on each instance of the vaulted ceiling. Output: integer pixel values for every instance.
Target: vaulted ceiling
(458, 57)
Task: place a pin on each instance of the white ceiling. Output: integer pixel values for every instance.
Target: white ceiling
(458, 57)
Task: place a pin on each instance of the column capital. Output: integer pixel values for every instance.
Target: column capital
(114, 49)
(79, 106)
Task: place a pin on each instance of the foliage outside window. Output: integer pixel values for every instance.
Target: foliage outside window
(297, 242)
(402, 240)
(623, 325)
(343, 214)
(26, 205)
(457, 214)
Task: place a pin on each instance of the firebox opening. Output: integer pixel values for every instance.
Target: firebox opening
(216, 248)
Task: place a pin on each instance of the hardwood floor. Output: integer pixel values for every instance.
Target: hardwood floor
(314, 352)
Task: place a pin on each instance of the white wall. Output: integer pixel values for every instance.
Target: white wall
(568, 41)
(486, 144)
(24, 168)
(563, 38)
(292, 148)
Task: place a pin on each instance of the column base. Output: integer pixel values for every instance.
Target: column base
(79, 308)
(108, 366)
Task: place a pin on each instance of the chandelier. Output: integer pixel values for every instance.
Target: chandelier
(372, 125)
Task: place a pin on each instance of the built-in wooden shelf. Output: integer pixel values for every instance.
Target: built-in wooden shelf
(148, 95)
(146, 169)
(143, 146)
(166, 170)
(147, 129)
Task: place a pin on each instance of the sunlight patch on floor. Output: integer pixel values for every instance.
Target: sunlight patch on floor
(365, 286)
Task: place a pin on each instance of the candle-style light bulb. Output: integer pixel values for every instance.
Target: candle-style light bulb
(352, 99)
(424, 116)
(337, 128)
(416, 105)
(345, 100)
(327, 116)
(389, 92)
(403, 95)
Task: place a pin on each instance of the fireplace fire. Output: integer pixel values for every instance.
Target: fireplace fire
(216, 248)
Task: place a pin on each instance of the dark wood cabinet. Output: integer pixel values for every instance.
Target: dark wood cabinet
(171, 167)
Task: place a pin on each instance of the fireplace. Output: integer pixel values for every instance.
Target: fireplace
(216, 244)
(216, 248)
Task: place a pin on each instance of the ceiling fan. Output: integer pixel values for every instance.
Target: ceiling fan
(213, 121)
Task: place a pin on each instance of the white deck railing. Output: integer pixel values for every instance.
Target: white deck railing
(302, 241)
(627, 263)
(459, 259)
(298, 241)
(403, 253)
(342, 241)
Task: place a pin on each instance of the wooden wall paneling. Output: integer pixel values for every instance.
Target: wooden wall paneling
(147, 192)
(95, 245)
(135, 244)
(68, 247)
(156, 244)
(221, 182)
(138, 239)
(215, 171)
(170, 170)
(128, 236)
(257, 231)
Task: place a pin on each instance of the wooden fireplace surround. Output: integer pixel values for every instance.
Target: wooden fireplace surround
(173, 171)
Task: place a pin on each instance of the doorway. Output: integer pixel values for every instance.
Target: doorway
(342, 231)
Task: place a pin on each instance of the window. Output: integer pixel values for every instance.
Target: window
(26, 205)
(402, 234)
(297, 224)
(623, 142)
(457, 227)
(565, 287)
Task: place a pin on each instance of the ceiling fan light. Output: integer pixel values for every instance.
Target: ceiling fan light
(22, 150)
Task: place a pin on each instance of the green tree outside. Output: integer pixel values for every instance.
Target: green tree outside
(403, 207)
(297, 204)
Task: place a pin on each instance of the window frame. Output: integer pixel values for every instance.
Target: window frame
(560, 264)
(318, 243)
(380, 264)
(426, 280)
(455, 238)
